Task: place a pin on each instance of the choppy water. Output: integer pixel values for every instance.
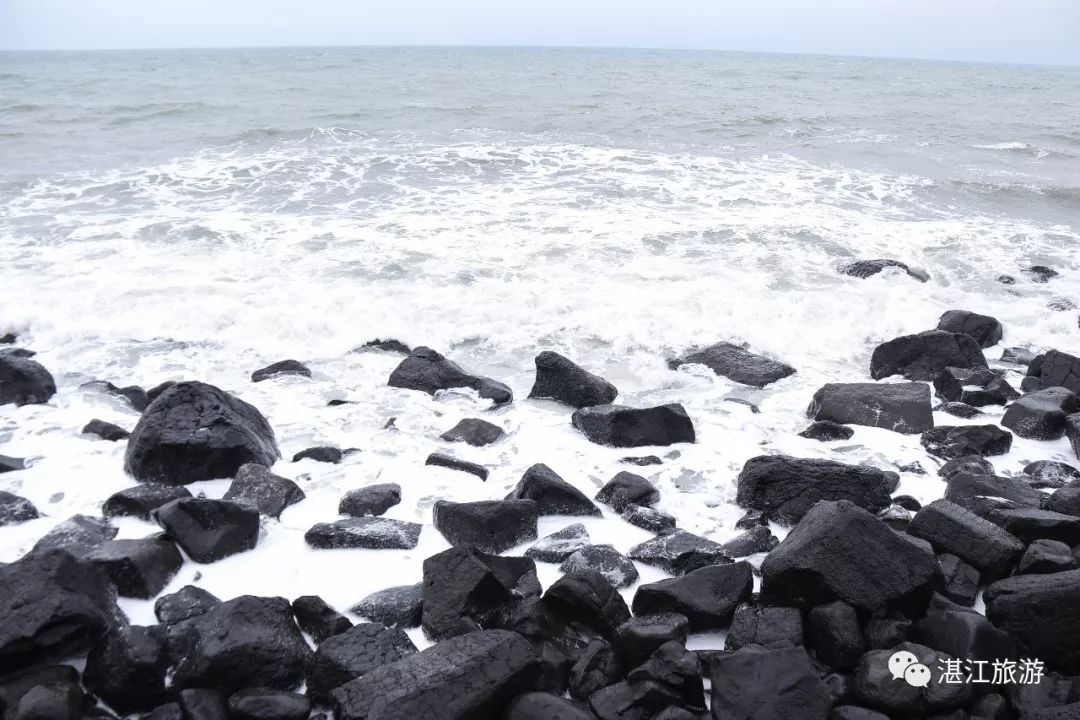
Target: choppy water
(199, 214)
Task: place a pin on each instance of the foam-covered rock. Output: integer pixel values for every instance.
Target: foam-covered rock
(141, 500)
(559, 378)
(863, 269)
(955, 441)
(428, 371)
(737, 364)
(679, 553)
(371, 533)
(473, 431)
(983, 329)
(24, 381)
(270, 494)
(282, 367)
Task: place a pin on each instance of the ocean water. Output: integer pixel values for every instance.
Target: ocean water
(200, 214)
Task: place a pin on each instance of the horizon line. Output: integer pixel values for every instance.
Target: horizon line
(494, 46)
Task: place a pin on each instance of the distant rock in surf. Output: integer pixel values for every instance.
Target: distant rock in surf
(868, 268)
(473, 431)
(621, 426)
(924, 355)
(1041, 273)
(388, 345)
(283, 367)
(24, 381)
(559, 378)
(134, 394)
(428, 371)
(737, 364)
(8, 338)
(105, 430)
(1053, 369)
(984, 329)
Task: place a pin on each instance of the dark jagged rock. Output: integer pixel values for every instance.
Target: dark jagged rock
(473, 431)
(203, 704)
(187, 602)
(586, 597)
(322, 453)
(210, 530)
(649, 519)
(168, 711)
(839, 551)
(133, 394)
(127, 669)
(317, 618)
(140, 501)
(642, 635)
(428, 371)
(756, 682)
(1065, 500)
(768, 626)
(1041, 415)
(194, 431)
(955, 441)
(907, 502)
(463, 589)
(922, 356)
(8, 338)
(1017, 356)
(826, 431)
(14, 687)
(961, 580)
(105, 431)
(875, 686)
(785, 488)
(642, 461)
(268, 705)
(606, 560)
(972, 464)
(679, 553)
(489, 525)
(885, 633)
(394, 607)
(627, 700)
(370, 500)
(354, 653)
(558, 546)
(52, 701)
(621, 426)
(627, 489)
(900, 407)
(282, 367)
(736, 364)
(1054, 369)
(11, 464)
(958, 409)
(707, 597)
(984, 493)
(1046, 556)
(958, 531)
(1041, 273)
(678, 668)
(24, 381)
(387, 345)
(371, 533)
(52, 606)
(750, 542)
(78, 535)
(138, 568)
(835, 636)
(552, 494)
(895, 517)
(545, 706)
(558, 378)
(965, 634)
(15, 509)
(1051, 474)
(596, 667)
(983, 329)
(270, 494)
(867, 268)
(248, 642)
(1031, 524)
(472, 677)
(452, 463)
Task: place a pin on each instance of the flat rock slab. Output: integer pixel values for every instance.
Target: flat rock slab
(900, 407)
(679, 553)
(958, 531)
(621, 426)
(492, 526)
(371, 533)
(737, 364)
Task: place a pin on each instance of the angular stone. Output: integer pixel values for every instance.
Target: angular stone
(984, 493)
(452, 463)
(371, 533)
(270, 494)
(489, 525)
(1041, 415)
(961, 580)
(1046, 556)
(78, 535)
(138, 568)
(983, 329)
(558, 378)
(323, 454)
(900, 407)
(649, 519)
(354, 653)
(552, 494)
(400, 606)
(827, 431)
(473, 431)
(15, 509)
(187, 602)
(621, 426)
(126, 669)
(955, 530)
(875, 686)
(756, 682)
(428, 371)
(371, 500)
(750, 542)
(105, 430)
(210, 530)
(141, 501)
(679, 553)
(606, 560)
(596, 667)
(1055, 369)
(1051, 474)
(282, 367)
(627, 489)
(1031, 524)
(768, 626)
(259, 704)
(707, 597)
(317, 618)
(24, 381)
(955, 441)
(867, 268)
(835, 636)
(922, 356)
(586, 597)
(736, 364)
(558, 546)
(640, 636)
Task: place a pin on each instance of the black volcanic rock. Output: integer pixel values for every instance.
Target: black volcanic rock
(606, 560)
(473, 431)
(194, 431)
(105, 430)
(370, 500)
(1042, 613)
(399, 606)
(318, 619)
(867, 268)
(587, 598)
(24, 381)
(827, 431)
(558, 378)
(321, 453)
(736, 364)
(259, 704)
(956, 441)
(627, 489)
(900, 407)
(489, 525)
(15, 509)
(923, 356)
(707, 597)
(1054, 369)
(552, 494)
(428, 371)
(756, 682)
(283, 367)
(127, 669)
(770, 626)
(371, 533)
(141, 500)
(210, 530)
(983, 329)
(1041, 415)
(270, 494)
(621, 426)
(650, 519)
(78, 535)
(184, 604)
(559, 545)
(138, 568)
(452, 463)
(679, 553)
(354, 653)
(955, 530)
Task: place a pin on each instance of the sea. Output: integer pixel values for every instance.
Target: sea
(198, 214)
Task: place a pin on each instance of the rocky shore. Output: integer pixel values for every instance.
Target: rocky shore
(831, 572)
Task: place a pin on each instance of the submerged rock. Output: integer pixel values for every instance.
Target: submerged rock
(868, 268)
(827, 431)
(900, 407)
(105, 430)
(737, 364)
(473, 431)
(1041, 415)
(558, 378)
(924, 355)
(370, 500)
(322, 454)
(428, 371)
(387, 345)
(24, 381)
(621, 426)
(983, 329)
(956, 441)
(452, 463)
(15, 509)
(284, 367)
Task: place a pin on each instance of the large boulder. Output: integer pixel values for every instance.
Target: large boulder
(353, 653)
(834, 634)
(900, 407)
(983, 329)
(737, 364)
(1054, 369)
(138, 568)
(755, 683)
(839, 551)
(399, 606)
(769, 626)
(785, 488)
(127, 669)
(621, 426)
(552, 494)
(260, 704)
(1030, 524)
(545, 706)
(489, 525)
(1042, 613)
(194, 431)
(243, 643)
(596, 667)
(472, 677)
(1041, 415)
(52, 607)
(558, 378)
(210, 530)
(270, 494)
(707, 597)
(949, 442)
(585, 597)
(24, 381)
(428, 371)
(369, 533)
(922, 356)
(955, 530)
(679, 553)
(983, 493)
(473, 431)
(863, 269)
(184, 604)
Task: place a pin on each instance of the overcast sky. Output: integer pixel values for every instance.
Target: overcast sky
(1025, 31)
